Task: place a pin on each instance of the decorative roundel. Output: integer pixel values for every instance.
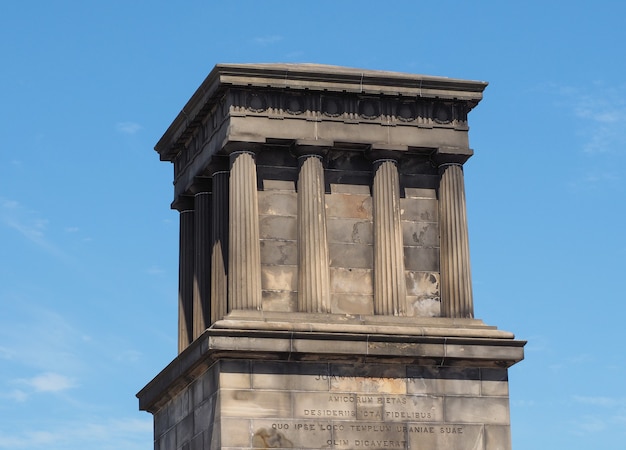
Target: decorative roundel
(406, 111)
(294, 104)
(332, 106)
(442, 113)
(256, 102)
(369, 109)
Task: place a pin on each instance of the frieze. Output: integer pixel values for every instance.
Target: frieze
(349, 108)
(400, 110)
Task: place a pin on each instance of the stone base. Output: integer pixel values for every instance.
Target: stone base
(278, 389)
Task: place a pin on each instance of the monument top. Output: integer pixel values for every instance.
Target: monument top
(311, 78)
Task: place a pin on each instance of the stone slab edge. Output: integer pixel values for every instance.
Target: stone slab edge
(219, 344)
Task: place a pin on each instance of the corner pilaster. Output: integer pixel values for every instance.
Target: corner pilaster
(456, 281)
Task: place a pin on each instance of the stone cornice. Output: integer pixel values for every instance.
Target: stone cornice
(288, 345)
(335, 82)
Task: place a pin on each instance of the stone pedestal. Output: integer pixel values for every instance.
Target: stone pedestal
(283, 388)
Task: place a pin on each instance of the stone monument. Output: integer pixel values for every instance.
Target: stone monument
(325, 296)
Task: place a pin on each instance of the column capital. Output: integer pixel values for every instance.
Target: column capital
(230, 147)
(200, 185)
(451, 155)
(182, 203)
(218, 164)
(310, 147)
(385, 152)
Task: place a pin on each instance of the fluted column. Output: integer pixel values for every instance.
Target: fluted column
(456, 280)
(389, 278)
(219, 246)
(313, 266)
(202, 262)
(244, 253)
(185, 273)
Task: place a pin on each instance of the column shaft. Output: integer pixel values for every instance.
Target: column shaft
(244, 253)
(219, 246)
(185, 279)
(313, 266)
(202, 271)
(456, 280)
(389, 277)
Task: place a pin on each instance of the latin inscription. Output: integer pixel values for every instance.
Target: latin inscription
(323, 377)
(377, 420)
(369, 428)
(391, 436)
(368, 413)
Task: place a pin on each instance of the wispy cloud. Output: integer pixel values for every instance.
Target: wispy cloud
(29, 224)
(601, 112)
(42, 340)
(267, 40)
(127, 127)
(154, 270)
(605, 402)
(49, 382)
(127, 433)
(601, 413)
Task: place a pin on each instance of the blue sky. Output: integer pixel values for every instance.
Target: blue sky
(88, 244)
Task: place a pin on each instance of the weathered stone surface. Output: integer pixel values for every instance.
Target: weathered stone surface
(497, 437)
(349, 206)
(279, 185)
(421, 259)
(350, 231)
(423, 298)
(279, 252)
(278, 227)
(420, 193)
(279, 278)
(351, 281)
(352, 304)
(351, 255)
(420, 234)
(254, 403)
(487, 410)
(345, 188)
(282, 301)
(419, 209)
(278, 203)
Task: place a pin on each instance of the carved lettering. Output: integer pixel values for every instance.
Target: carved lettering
(451, 430)
(329, 413)
(379, 444)
(415, 415)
